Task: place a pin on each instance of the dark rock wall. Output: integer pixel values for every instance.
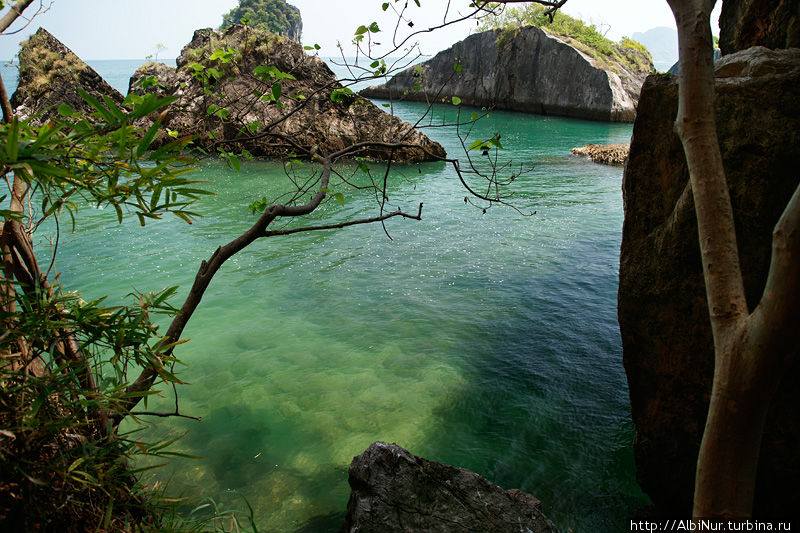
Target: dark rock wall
(769, 23)
(666, 337)
(529, 71)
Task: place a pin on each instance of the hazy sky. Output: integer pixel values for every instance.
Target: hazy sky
(130, 29)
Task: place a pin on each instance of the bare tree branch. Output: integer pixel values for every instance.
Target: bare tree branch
(380, 218)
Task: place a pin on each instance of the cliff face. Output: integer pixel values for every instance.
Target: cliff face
(769, 23)
(527, 70)
(663, 315)
(50, 74)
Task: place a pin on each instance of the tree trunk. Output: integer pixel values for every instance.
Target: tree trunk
(750, 350)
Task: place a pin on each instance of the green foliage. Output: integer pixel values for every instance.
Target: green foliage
(583, 36)
(275, 16)
(627, 42)
(64, 362)
(41, 66)
(107, 162)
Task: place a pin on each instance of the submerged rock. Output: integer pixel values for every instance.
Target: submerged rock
(50, 75)
(663, 315)
(607, 154)
(394, 490)
(525, 70)
(240, 84)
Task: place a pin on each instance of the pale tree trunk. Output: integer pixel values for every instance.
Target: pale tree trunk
(750, 350)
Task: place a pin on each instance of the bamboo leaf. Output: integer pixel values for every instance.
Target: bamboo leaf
(147, 140)
(95, 103)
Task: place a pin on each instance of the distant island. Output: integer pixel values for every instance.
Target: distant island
(662, 42)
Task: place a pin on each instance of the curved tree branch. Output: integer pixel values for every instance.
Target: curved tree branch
(380, 218)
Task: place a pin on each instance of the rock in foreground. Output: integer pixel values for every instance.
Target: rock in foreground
(607, 154)
(393, 491)
(528, 70)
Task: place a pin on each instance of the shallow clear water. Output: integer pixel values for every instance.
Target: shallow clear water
(487, 341)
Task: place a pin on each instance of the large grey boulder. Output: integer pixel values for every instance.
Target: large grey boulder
(663, 315)
(525, 70)
(396, 491)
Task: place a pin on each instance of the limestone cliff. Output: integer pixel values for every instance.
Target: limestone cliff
(525, 70)
(275, 16)
(225, 97)
(232, 95)
(663, 315)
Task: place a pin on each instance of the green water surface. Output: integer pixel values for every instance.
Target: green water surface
(487, 341)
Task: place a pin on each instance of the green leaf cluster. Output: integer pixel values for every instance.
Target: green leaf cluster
(58, 447)
(107, 161)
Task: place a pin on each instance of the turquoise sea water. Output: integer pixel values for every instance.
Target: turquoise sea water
(487, 341)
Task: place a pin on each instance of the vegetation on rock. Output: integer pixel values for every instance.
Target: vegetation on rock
(275, 16)
(584, 37)
(40, 64)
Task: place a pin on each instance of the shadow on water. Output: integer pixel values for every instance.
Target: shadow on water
(544, 407)
(329, 523)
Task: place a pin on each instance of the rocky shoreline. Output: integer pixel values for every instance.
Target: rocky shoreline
(606, 154)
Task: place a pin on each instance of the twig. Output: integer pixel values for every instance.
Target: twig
(164, 415)
(381, 218)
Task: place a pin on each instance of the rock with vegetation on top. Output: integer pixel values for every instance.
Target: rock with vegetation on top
(50, 75)
(394, 490)
(663, 314)
(607, 154)
(235, 85)
(275, 16)
(527, 70)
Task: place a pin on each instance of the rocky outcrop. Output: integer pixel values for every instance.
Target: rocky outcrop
(527, 70)
(769, 23)
(225, 98)
(666, 337)
(393, 490)
(50, 75)
(260, 81)
(607, 154)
